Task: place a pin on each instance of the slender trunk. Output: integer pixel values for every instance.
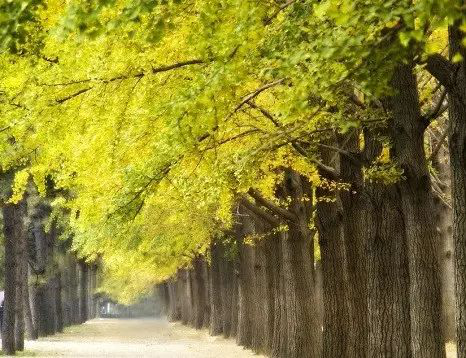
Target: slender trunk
(260, 303)
(175, 302)
(206, 279)
(246, 274)
(280, 332)
(199, 299)
(234, 299)
(21, 277)
(417, 208)
(216, 314)
(227, 277)
(59, 302)
(31, 330)
(82, 291)
(269, 299)
(10, 220)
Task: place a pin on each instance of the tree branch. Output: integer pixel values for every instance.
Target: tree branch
(324, 170)
(283, 213)
(259, 212)
(155, 70)
(268, 20)
(442, 69)
(257, 92)
(438, 109)
(439, 145)
(73, 95)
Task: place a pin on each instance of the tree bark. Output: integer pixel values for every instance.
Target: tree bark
(336, 312)
(389, 333)
(10, 223)
(416, 202)
(354, 218)
(21, 276)
(31, 330)
(457, 144)
(246, 275)
(216, 314)
(199, 299)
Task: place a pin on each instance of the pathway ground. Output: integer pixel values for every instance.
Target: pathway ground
(135, 338)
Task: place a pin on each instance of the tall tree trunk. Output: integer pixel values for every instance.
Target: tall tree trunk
(280, 332)
(304, 336)
(246, 274)
(355, 209)
(82, 291)
(388, 277)
(206, 279)
(21, 276)
(199, 299)
(215, 282)
(10, 223)
(457, 144)
(58, 302)
(336, 316)
(270, 272)
(416, 202)
(31, 330)
(227, 287)
(175, 302)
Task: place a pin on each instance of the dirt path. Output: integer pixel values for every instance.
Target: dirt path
(135, 338)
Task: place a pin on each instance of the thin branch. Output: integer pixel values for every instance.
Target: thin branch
(324, 170)
(268, 20)
(264, 112)
(285, 214)
(255, 93)
(438, 109)
(73, 95)
(347, 154)
(438, 145)
(154, 70)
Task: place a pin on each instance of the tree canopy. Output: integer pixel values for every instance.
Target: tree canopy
(154, 117)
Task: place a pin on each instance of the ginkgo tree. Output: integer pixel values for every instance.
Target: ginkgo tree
(159, 118)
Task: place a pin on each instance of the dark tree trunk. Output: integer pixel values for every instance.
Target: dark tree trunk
(226, 288)
(58, 303)
(416, 202)
(31, 330)
(206, 279)
(21, 276)
(280, 332)
(10, 223)
(303, 332)
(82, 291)
(270, 272)
(388, 277)
(216, 314)
(457, 143)
(199, 299)
(246, 286)
(186, 296)
(354, 210)
(234, 299)
(336, 316)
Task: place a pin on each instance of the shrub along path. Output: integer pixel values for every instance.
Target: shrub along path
(135, 338)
